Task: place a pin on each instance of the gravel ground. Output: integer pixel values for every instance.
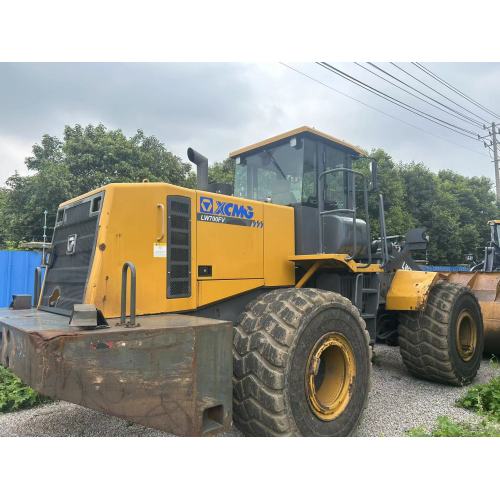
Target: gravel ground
(397, 403)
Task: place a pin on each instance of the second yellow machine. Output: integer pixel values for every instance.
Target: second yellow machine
(283, 255)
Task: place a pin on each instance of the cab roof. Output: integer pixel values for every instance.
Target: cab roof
(299, 131)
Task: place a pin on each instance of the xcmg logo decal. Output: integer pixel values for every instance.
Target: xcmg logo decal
(206, 205)
(226, 212)
(216, 207)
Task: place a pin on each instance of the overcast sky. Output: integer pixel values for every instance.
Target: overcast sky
(218, 107)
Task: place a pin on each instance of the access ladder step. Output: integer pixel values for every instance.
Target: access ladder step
(369, 290)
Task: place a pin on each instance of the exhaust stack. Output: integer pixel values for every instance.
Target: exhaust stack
(201, 168)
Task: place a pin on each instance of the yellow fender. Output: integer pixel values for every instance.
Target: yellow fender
(409, 290)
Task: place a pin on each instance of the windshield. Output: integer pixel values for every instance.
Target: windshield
(273, 174)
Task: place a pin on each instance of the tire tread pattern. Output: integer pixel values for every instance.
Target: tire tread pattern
(424, 336)
(264, 340)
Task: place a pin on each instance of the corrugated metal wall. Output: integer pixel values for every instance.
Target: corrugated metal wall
(17, 273)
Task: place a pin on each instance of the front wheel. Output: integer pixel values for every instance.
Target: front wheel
(445, 341)
(301, 365)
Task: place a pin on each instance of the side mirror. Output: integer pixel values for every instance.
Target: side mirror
(373, 168)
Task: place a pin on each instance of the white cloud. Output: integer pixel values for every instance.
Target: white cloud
(218, 107)
(13, 150)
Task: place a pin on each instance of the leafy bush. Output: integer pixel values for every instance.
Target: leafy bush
(484, 399)
(14, 395)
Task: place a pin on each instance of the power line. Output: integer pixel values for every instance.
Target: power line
(401, 104)
(484, 120)
(379, 110)
(407, 107)
(461, 116)
(454, 89)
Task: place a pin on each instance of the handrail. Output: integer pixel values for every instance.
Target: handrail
(123, 312)
(335, 210)
(352, 211)
(357, 290)
(383, 234)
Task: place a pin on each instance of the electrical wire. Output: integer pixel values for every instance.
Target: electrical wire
(484, 120)
(461, 116)
(401, 104)
(454, 89)
(379, 110)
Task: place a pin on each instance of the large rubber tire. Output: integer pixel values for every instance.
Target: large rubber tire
(428, 339)
(272, 344)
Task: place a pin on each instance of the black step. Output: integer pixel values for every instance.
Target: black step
(368, 316)
(369, 290)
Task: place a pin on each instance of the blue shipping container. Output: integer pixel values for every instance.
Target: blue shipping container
(17, 273)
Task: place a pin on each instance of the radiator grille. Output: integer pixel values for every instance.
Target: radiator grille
(178, 247)
(69, 268)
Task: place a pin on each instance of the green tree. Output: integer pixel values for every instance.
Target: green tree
(3, 200)
(96, 156)
(398, 217)
(454, 208)
(222, 171)
(86, 158)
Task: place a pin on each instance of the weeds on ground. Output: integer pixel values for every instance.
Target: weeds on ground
(14, 395)
(446, 427)
(484, 399)
(495, 362)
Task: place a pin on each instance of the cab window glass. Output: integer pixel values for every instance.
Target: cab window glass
(337, 183)
(336, 190)
(241, 181)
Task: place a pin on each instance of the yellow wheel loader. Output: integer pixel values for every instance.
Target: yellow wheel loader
(182, 309)
(484, 281)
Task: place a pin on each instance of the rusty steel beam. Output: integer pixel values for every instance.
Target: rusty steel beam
(172, 373)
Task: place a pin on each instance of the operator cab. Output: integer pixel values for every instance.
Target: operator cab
(291, 169)
(495, 232)
(491, 260)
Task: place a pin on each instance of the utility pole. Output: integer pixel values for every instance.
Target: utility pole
(495, 158)
(492, 144)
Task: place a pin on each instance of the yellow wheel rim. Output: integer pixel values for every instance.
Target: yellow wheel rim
(330, 372)
(466, 336)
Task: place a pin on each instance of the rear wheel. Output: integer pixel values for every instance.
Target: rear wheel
(444, 343)
(301, 365)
